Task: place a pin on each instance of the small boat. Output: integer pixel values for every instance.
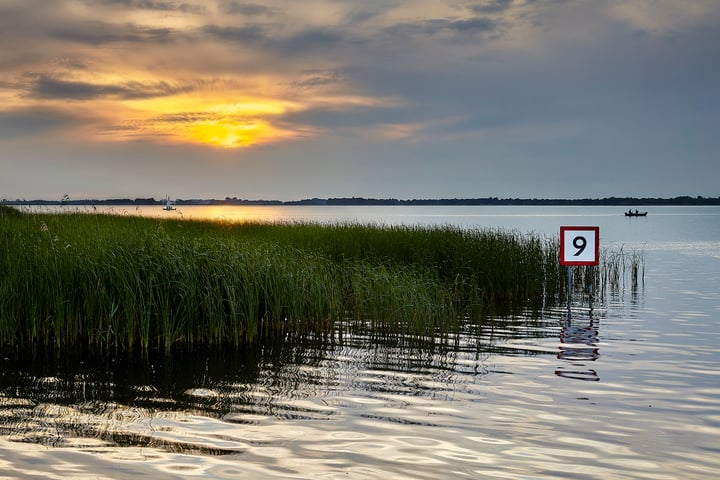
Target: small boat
(630, 213)
(168, 204)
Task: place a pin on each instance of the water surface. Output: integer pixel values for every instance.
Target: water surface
(629, 388)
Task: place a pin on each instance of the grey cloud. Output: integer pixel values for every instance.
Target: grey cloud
(48, 87)
(155, 5)
(244, 34)
(316, 37)
(478, 25)
(492, 6)
(97, 33)
(171, 6)
(312, 40)
(435, 26)
(249, 9)
(364, 13)
(317, 78)
(71, 63)
(306, 41)
(125, 3)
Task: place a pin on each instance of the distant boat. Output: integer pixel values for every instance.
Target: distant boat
(168, 204)
(630, 213)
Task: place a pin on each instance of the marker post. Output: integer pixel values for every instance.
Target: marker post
(579, 246)
(569, 287)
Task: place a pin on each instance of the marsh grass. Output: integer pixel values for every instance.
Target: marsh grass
(9, 212)
(618, 269)
(621, 267)
(124, 282)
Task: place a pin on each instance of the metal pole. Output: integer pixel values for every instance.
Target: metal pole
(569, 287)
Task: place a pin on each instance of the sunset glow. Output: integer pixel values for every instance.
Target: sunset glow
(401, 98)
(232, 135)
(197, 119)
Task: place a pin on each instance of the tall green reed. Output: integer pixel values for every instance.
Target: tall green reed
(117, 281)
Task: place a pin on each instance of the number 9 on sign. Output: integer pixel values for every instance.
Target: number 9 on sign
(579, 245)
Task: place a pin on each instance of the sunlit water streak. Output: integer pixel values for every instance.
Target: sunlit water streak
(627, 389)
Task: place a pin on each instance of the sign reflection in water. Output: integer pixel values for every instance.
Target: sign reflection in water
(579, 347)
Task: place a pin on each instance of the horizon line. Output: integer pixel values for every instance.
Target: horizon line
(612, 200)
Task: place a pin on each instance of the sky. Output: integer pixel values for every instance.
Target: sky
(286, 100)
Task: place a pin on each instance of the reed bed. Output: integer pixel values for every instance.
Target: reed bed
(124, 282)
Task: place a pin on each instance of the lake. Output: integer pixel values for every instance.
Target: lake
(626, 388)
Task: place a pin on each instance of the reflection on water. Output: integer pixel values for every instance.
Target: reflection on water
(627, 390)
(486, 402)
(579, 347)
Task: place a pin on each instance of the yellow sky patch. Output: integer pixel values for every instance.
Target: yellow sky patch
(222, 123)
(228, 134)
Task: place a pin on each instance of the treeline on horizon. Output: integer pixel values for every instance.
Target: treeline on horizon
(611, 201)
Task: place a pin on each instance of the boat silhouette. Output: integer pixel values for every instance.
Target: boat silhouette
(630, 213)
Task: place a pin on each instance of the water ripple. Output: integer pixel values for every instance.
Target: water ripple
(627, 390)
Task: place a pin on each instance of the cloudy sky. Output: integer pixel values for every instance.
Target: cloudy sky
(286, 100)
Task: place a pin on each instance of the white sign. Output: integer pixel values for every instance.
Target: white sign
(579, 245)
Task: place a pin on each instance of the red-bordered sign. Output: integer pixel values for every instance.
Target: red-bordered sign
(579, 245)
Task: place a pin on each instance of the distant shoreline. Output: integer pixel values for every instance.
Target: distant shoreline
(360, 201)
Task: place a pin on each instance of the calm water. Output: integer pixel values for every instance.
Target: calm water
(629, 389)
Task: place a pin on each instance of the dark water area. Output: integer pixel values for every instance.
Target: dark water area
(628, 387)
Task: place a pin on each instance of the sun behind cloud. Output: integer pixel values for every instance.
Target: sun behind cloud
(229, 134)
(221, 123)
